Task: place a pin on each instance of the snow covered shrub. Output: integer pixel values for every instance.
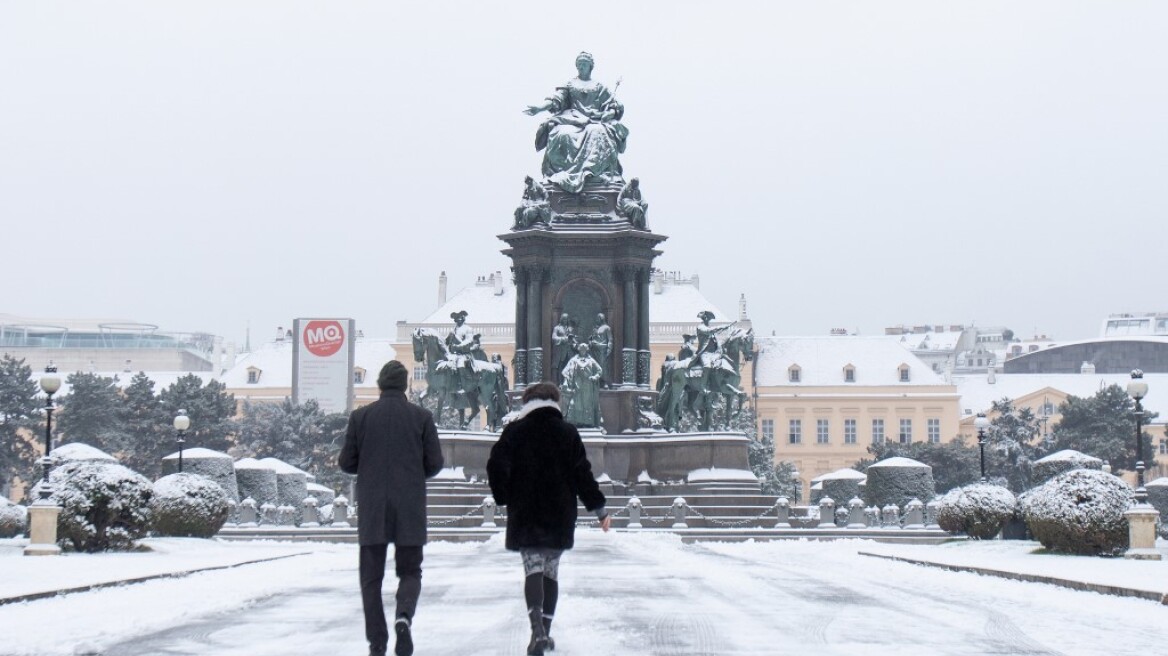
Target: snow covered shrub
(841, 485)
(104, 506)
(79, 451)
(1080, 512)
(188, 505)
(1158, 497)
(897, 481)
(979, 510)
(1062, 461)
(256, 480)
(215, 465)
(291, 483)
(13, 518)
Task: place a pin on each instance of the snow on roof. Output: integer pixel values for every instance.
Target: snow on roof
(81, 451)
(198, 452)
(720, 474)
(1159, 482)
(252, 463)
(1069, 454)
(897, 462)
(931, 341)
(274, 360)
(678, 302)
(978, 394)
(1154, 339)
(821, 361)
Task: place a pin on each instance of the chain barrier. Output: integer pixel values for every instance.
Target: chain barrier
(592, 521)
(737, 524)
(448, 522)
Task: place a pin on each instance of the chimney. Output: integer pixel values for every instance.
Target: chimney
(1087, 368)
(228, 357)
(742, 308)
(697, 281)
(991, 376)
(127, 368)
(498, 277)
(658, 282)
(280, 333)
(442, 289)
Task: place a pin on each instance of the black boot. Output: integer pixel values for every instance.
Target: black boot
(539, 638)
(547, 632)
(405, 642)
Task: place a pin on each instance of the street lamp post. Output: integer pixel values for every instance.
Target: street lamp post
(1138, 389)
(1141, 518)
(42, 514)
(181, 423)
(982, 424)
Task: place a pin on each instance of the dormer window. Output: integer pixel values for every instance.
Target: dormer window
(794, 373)
(253, 375)
(904, 377)
(849, 374)
(358, 376)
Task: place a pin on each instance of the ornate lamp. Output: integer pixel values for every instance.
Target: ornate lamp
(982, 423)
(181, 423)
(1138, 389)
(42, 514)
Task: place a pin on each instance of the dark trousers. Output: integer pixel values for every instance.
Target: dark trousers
(408, 567)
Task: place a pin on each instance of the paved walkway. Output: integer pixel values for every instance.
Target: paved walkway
(622, 594)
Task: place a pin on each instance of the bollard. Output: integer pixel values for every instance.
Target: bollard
(891, 516)
(248, 518)
(783, 511)
(232, 513)
(310, 518)
(489, 512)
(856, 513)
(1141, 529)
(914, 515)
(931, 509)
(827, 512)
(286, 515)
(268, 515)
(872, 517)
(340, 512)
(634, 512)
(679, 513)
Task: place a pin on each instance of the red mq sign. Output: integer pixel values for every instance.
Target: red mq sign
(323, 338)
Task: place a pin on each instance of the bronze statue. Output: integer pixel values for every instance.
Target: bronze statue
(631, 206)
(601, 343)
(535, 208)
(582, 387)
(583, 137)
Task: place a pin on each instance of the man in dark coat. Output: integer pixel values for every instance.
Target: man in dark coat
(537, 469)
(392, 447)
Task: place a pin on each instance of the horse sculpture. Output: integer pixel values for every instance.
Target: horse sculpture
(459, 386)
(691, 385)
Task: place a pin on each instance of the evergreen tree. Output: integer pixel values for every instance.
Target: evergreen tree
(209, 406)
(21, 422)
(301, 435)
(1103, 426)
(1011, 445)
(777, 479)
(148, 431)
(91, 413)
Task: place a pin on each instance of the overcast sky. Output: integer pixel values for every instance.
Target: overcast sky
(207, 165)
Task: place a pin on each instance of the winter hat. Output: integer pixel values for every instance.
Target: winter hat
(393, 376)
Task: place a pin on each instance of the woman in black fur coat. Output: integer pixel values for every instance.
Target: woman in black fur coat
(538, 469)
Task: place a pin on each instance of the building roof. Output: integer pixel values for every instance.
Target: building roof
(978, 394)
(274, 360)
(821, 361)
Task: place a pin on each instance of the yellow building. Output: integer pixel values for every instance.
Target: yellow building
(825, 399)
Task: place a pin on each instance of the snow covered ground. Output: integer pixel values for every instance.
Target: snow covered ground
(621, 593)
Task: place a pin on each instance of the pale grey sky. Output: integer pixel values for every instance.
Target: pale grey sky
(203, 165)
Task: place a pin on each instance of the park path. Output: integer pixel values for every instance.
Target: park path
(652, 595)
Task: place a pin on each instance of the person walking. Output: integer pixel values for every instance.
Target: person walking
(538, 469)
(392, 446)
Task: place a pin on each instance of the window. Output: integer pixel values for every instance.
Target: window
(934, 431)
(849, 374)
(768, 430)
(849, 431)
(906, 431)
(904, 373)
(877, 431)
(358, 376)
(1164, 447)
(795, 431)
(793, 374)
(420, 372)
(253, 375)
(822, 431)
